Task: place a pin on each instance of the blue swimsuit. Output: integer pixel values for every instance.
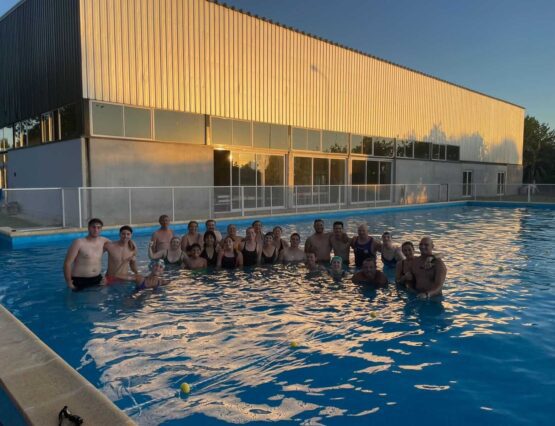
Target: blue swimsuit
(363, 251)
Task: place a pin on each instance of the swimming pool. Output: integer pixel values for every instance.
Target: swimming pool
(484, 354)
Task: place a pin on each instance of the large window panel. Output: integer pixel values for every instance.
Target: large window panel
(173, 126)
(383, 147)
(335, 142)
(279, 137)
(337, 172)
(69, 122)
(453, 153)
(422, 150)
(361, 144)
(359, 172)
(274, 171)
(385, 179)
(6, 138)
(107, 119)
(372, 172)
(303, 171)
(405, 149)
(222, 169)
(242, 133)
(222, 131)
(321, 174)
(137, 123)
(299, 138)
(314, 138)
(261, 135)
(33, 130)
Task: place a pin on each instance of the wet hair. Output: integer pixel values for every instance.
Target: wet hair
(175, 238)
(312, 252)
(338, 222)
(230, 225)
(295, 234)
(208, 221)
(318, 220)
(269, 234)
(407, 243)
(209, 234)
(191, 223)
(162, 217)
(95, 221)
(386, 233)
(125, 228)
(194, 246)
(369, 259)
(255, 222)
(277, 227)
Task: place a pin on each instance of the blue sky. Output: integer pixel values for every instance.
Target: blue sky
(505, 48)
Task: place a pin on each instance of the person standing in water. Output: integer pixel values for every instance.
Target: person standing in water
(391, 254)
(250, 249)
(370, 275)
(403, 276)
(83, 261)
(428, 271)
(319, 242)
(194, 260)
(269, 252)
(210, 250)
(364, 246)
(173, 255)
(292, 253)
(122, 256)
(191, 237)
(161, 238)
(229, 257)
(340, 242)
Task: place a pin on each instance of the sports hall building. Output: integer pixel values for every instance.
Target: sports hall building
(118, 93)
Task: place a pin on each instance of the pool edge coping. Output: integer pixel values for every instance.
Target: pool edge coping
(40, 383)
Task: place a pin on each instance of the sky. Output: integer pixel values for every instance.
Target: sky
(504, 48)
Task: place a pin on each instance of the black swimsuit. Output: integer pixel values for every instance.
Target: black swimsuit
(363, 251)
(250, 258)
(269, 260)
(229, 262)
(211, 261)
(81, 283)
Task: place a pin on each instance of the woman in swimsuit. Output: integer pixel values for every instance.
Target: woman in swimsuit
(210, 251)
(171, 256)
(364, 246)
(391, 254)
(194, 261)
(191, 237)
(279, 242)
(403, 276)
(154, 279)
(269, 253)
(250, 248)
(229, 257)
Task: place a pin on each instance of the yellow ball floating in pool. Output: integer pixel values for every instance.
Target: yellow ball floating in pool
(500, 269)
(373, 314)
(294, 344)
(185, 388)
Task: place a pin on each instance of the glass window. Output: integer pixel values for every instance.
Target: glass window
(335, 142)
(438, 152)
(405, 148)
(261, 135)
(33, 131)
(174, 126)
(372, 172)
(279, 137)
(107, 119)
(385, 173)
(270, 169)
(361, 144)
(422, 150)
(243, 169)
(46, 127)
(467, 183)
(337, 172)
(222, 131)
(242, 133)
(314, 140)
(298, 137)
(321, 171)
(383, 147)
(6, 138)
(359, 172)
(137, 123)
(222, 174)
(303, 171)
(68, 120)
(453, 152)
(19, 135)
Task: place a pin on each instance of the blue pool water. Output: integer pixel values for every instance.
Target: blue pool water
(485, 354)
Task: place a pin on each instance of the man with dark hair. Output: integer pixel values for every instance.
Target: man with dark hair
(83, 262)
(162, 237)
(292, 253)
(319, 242)
(340, 242)
(122, 257)
(369, 275)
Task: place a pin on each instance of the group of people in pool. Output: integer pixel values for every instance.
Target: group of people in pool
(424, 274)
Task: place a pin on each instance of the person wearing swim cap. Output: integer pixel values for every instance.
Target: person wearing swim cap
(153, 280)
(336, 267)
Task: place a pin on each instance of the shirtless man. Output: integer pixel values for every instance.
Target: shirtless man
(161, 238)
(292, 253)
(83, 262)
(391, 253)
(311, 262)
(211, 226)
(369, 275)
(428, 271)
(122, 257)
(319, 242)
(232, 232)
(340, 242)
(364, 246)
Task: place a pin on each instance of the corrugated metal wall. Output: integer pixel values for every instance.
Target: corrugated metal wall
(40, 65)
(197, 56)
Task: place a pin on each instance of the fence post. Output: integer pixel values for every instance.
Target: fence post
(475, 195)
(339, 197)
(375, 196)
(528, 190)
(271, 200)
(211, 191)
(405, 195)
(447, 192)
(80, 208)
(129, 206)
(63, 209)
(173, 204)
(242, 201)
(296, 200)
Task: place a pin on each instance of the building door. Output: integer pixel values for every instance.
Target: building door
(467, 183)
(501, 183)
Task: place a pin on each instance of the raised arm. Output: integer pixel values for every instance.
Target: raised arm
(133, 263)
(155, 255)
(68, 262)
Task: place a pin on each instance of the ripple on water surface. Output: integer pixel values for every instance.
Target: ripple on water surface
(277, 345)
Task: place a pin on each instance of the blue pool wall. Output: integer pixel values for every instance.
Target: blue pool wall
(16, 241)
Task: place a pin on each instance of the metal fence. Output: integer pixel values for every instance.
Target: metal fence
(32, 208)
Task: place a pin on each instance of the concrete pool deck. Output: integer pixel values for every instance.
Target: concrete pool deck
(39, 383)
(14, 239)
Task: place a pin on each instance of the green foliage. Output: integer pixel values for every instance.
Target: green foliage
(538, 152)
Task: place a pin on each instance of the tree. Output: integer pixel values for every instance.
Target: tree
(538, 152)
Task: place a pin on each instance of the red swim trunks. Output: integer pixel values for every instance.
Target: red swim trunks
(113, 280)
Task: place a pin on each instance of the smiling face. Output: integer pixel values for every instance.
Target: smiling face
(362, 231)
(125, 236)
(210, 225)
(193, 227)
(195, 252)
(368, 268)
(336, 264)
(157, 268)
(175, 243)
(232, 230)
(426, 246)
(319, 227)
(295, 241)
(408, 251)
(250, 234)
(164, 221)
(95, 229)
(228, 244)
(257, 225)
(386, 239)
(268, 240)
(209, 240)
(277, 233)
(337, 230)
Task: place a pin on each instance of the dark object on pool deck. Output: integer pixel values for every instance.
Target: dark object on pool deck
(66, 414)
